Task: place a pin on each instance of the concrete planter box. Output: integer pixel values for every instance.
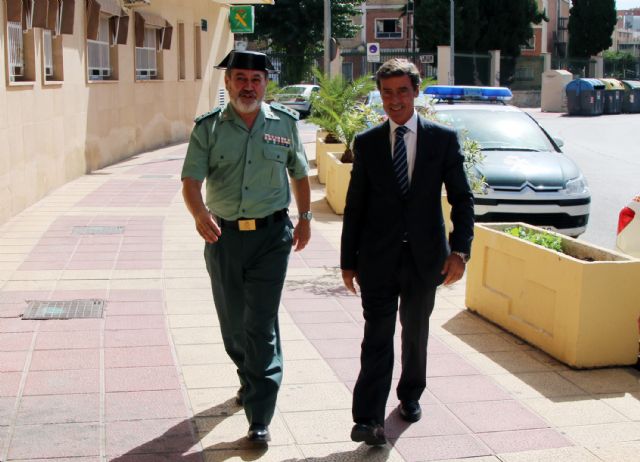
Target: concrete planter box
(338, 177)
(583, 313)
(322, 149)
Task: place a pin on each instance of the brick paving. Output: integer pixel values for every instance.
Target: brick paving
(149, 381)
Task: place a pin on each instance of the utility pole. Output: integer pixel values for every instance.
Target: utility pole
(327, 37)
(452, 58)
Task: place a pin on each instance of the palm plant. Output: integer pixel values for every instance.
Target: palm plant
(333, 105)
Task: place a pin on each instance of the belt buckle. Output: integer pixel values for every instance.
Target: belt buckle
(247, 225)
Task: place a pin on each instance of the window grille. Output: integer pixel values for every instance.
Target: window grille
(16, 51)
(98, 52)
(221, 97)
(146, 66)
(47, 42)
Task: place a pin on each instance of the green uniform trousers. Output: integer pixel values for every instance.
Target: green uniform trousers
(247, 271)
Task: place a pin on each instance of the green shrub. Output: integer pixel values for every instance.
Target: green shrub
(548, 240)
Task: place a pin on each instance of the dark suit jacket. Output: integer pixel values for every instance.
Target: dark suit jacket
(376, 215)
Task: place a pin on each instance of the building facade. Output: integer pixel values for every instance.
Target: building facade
(90, 82)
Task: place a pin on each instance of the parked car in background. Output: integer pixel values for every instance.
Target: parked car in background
(527, 176)
(628, 240)
(297, 97)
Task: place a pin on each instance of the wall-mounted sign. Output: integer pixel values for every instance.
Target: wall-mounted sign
(241, 19)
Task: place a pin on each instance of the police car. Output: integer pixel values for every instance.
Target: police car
(628, 240)
(527, 176)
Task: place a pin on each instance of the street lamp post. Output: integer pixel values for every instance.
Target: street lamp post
(452, 58)
(327, 37)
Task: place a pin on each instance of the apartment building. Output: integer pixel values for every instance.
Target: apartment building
(91, 82)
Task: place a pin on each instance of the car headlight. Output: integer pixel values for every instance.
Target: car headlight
(577, 186)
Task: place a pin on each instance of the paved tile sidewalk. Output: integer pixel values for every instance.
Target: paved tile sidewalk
(150, 381)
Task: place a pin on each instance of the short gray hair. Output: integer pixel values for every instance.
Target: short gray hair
(396, 67)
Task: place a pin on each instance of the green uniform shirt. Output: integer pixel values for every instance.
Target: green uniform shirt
(246, 170)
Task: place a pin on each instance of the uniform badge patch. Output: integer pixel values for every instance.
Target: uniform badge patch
(277, 140)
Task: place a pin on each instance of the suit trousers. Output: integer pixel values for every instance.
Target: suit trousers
(380, 306)
(247, 271)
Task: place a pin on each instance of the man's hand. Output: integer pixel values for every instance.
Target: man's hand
(301, 234)
(453, 269)
(348, 276)
(207, 227)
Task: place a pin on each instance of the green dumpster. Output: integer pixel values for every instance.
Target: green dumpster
(613, 96)
(631, 100)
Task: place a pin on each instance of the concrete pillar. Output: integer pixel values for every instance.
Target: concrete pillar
(444, 64)
(547, 62)
(596, 67)
(494, 72)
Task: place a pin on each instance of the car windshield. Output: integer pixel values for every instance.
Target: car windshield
(498, 130)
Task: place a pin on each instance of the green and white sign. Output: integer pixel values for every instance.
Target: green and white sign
(241, 19)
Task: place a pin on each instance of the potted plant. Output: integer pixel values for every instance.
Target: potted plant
(336, 96)
(579, 305)
(339, 164)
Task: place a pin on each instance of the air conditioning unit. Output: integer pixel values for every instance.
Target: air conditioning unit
(135, 3)
(17, 71)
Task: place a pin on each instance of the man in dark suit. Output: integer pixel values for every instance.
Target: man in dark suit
(394, 243)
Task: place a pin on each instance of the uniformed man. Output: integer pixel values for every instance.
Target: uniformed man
(245, 150)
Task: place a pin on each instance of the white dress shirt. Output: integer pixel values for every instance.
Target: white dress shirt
(410, 140)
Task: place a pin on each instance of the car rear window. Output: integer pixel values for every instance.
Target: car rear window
(293, 90)
(498, 130)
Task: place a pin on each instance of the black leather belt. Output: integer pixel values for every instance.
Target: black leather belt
(251, 224)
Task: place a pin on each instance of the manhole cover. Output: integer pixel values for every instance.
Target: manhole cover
(67, 309)
(84, 230)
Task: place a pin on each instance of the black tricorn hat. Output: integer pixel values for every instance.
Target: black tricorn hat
(253, 60)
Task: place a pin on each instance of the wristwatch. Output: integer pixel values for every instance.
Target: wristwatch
(306, 215)
(462, 255)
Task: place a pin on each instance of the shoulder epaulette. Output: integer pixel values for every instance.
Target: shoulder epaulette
(287, 110)
(207, 114)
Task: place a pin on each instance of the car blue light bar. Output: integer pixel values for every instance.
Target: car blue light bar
(458, 92)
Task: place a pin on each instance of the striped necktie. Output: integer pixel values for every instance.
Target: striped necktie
(400, 160)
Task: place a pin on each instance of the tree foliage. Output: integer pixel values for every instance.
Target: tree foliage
(480, 25)
(591, 23)
(296, 28)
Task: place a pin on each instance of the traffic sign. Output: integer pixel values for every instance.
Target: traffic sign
(373, 52)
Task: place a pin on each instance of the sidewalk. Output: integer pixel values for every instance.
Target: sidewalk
(149, 380)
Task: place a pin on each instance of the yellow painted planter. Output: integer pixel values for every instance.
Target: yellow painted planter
(322, 149)
(338, 177)
(583, 313)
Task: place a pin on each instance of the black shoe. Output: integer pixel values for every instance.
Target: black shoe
(373, 434)
(240, 396)
(410, 410)
(258, 433)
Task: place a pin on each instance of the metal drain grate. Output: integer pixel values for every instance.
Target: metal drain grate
(67, 309)
(85, 230)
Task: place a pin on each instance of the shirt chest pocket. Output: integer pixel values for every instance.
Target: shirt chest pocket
(223, 161)
(275, 158)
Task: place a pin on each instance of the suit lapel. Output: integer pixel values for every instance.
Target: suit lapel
(424, 149)
(383, 148)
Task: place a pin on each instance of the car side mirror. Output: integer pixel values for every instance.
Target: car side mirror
(559, 141)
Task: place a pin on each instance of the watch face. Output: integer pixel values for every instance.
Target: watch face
(306, 215)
